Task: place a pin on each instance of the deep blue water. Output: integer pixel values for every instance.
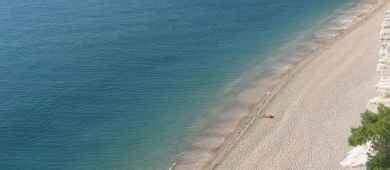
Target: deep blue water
(120, 84)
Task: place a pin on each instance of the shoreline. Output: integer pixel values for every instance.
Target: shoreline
(212, 147)
(290, 141)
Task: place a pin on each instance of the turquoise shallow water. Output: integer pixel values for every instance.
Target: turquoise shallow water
(121, 84)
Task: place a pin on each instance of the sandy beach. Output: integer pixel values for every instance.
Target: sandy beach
(315, 103)
(315, 110)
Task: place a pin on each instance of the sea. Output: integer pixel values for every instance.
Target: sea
(126, 84)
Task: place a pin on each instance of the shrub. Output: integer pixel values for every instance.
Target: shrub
(375, 127)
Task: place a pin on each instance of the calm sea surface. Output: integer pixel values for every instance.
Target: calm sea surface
(120, 84)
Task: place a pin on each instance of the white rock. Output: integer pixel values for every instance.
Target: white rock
(358, 156)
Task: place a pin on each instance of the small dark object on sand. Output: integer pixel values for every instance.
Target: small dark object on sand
(268, 115)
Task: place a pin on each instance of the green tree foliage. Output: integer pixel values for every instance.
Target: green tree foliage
(375, 127)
